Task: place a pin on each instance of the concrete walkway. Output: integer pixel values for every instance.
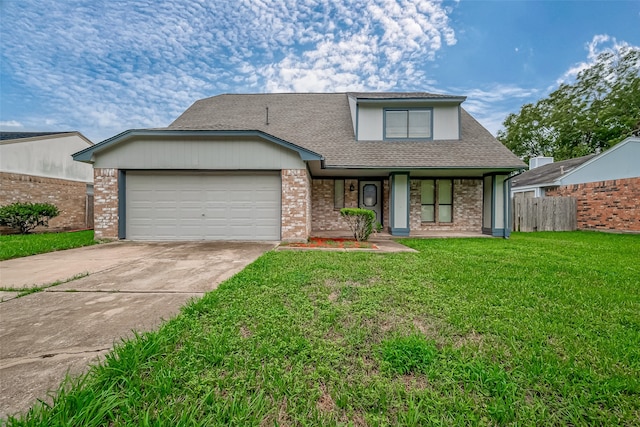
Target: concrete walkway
(125, 286)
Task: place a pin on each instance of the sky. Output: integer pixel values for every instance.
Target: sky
(104, 66)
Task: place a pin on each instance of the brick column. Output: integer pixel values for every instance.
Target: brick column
(105, 205)
(296, 205)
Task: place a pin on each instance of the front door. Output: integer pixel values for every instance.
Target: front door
(371, 197)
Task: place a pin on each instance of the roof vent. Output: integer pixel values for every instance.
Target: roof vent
(536, 162)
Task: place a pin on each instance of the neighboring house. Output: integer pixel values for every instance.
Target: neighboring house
(542, 175)
(606, 186)
(37, 167)
(280, 167)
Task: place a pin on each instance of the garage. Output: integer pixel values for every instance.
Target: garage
(202, 205)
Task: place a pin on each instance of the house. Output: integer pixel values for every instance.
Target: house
(542, 175)
(37, 167)
(280, 167)
(606, 186)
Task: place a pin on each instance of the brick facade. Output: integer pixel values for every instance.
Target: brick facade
(105, 190)
(323, 215)
(605, 205)
(70, 197)
(296, 205)
(467, 207)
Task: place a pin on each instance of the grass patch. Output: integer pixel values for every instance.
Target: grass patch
(34, 289)
(541, 329)
(21, 245)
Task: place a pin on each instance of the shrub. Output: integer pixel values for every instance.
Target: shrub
(360, 222)
(27, 216)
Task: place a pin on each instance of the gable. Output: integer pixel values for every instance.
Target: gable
(47, 155)
(619, 162)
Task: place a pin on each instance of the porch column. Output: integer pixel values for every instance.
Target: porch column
(399, 200)
(496, 206)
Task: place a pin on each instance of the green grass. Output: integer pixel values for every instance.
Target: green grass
(21, 245)
(541, 329)
(22, 292)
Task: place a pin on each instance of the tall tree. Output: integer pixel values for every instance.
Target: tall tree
(598, 110)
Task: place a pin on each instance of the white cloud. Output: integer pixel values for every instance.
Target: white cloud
(11, 124)
(600, 43)
(109, 65)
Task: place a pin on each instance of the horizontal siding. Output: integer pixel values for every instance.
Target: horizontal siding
(194, 154)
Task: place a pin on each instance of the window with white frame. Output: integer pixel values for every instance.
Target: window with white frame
(436, 198)
(408, 123)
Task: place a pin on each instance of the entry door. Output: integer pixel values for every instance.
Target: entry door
(371, 197)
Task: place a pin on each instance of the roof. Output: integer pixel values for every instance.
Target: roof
(14, 137)
(20, 135)
(549, 173)
(322, 123)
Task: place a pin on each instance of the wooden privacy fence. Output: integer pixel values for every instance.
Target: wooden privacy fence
(545, 214)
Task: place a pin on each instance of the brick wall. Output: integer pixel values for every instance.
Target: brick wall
(296, 205)
(105, 190)
(70, 197)
(605, 205)
(467, 207)
(325, 217)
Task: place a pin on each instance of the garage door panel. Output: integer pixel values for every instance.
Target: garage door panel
(202, 206)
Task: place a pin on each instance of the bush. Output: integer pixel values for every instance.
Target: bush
(27, 216)
(360, 222)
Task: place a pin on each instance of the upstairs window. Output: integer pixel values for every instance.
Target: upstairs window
(408, 123)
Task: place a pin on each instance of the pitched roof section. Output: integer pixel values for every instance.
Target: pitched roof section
(322, 123)
(20, 137)
(549, 173)
(5, 136)
(404, 95)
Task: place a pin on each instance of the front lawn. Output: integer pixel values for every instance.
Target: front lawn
(20, 245)
(541, 329)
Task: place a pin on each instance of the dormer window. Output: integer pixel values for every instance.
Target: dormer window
(408, 123)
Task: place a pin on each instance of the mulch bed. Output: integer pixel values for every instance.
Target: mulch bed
(334, 243)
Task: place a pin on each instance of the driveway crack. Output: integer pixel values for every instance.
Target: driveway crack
(7, 363)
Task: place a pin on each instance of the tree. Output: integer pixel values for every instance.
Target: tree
(27, 216)
(598, 110)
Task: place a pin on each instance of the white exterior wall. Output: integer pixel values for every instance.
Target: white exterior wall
(46, 156)
(370, 123)
(621, 161)
(199, 153)
(446, 121)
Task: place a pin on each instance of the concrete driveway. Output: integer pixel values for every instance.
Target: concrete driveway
(118, 288)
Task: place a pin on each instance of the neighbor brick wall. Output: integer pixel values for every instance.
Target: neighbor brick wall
(467, 207)
(105, 190)
(70, 197)
(605, 205)
(296, 205)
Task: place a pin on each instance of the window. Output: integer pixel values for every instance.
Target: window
(436, 197)
(407, 124)
(338, 194)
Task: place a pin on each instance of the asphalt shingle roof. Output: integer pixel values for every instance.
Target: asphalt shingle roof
(322, 123)
(6, 136)
(548, 173)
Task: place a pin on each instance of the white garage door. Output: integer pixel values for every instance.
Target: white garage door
(193, 206)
